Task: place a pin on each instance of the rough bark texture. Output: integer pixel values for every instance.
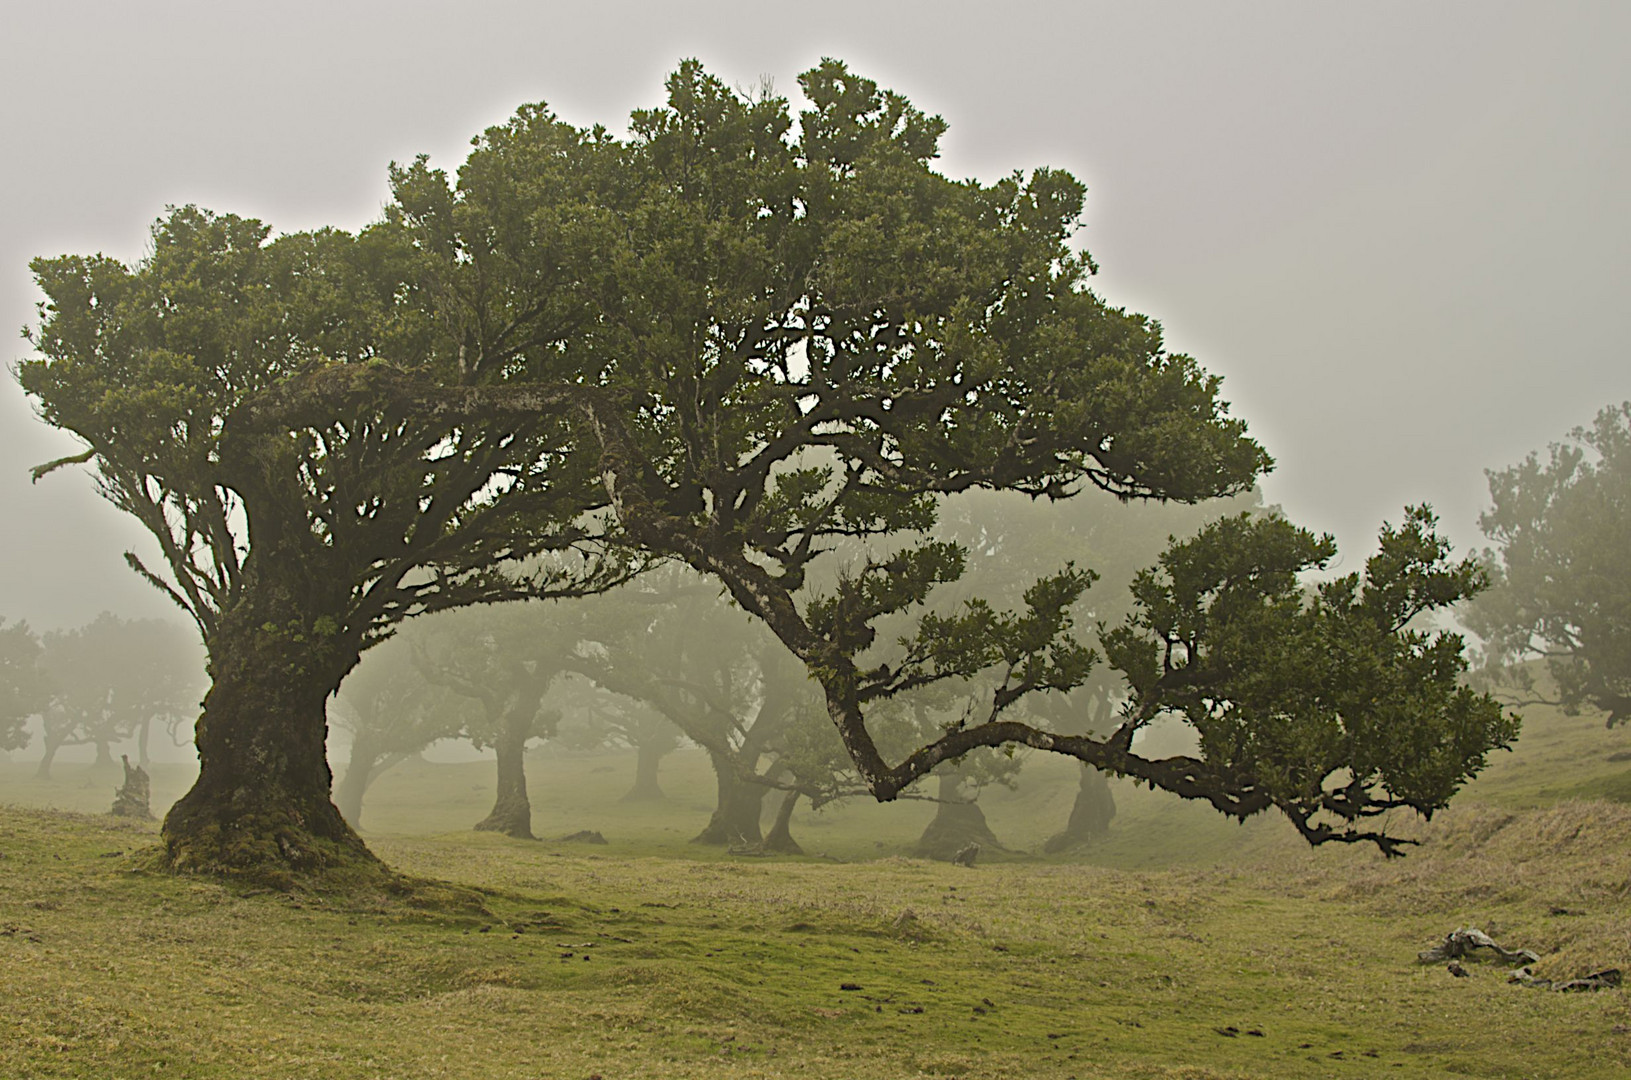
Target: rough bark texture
(780, 837)
(736, 817)
(958, 822)
(646, 760)
(1090, 816)
(512, 810)
(260, 809)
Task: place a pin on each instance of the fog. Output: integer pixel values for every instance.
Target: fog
(1396, 230)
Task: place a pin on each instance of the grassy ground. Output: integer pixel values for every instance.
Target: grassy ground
(1182, 946)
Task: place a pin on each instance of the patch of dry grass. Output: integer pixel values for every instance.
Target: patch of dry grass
(1182, 946)
(656, 966)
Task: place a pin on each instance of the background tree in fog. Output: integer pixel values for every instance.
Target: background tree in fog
(391, 713)
(674, 643)
(1562, 568)
(593, 718)
(111, 680)
(804, 742)
(24, 687)
(912, 719)
(506, 658)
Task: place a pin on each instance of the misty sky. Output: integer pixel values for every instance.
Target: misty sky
(1398, 230)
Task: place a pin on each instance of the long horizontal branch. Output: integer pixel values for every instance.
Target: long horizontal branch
(1187, 777)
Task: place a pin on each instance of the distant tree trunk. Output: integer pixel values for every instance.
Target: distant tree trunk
(958, 822)
(365, 765)
(512, 810)
(648, 756)
(260, 807)
(104, 754)
(53, 743)
(142, 732)
(780, 837)
(348, 790)
(1091, 814)
(736, 816)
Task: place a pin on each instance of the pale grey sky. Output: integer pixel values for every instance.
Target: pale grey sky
(1398, 230)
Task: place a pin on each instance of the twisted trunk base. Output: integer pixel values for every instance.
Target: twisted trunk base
(512, 809)
(646, 760)
(51, 748)
(260, 810)
(958, 822)
(736, 816)
(1090, 815)
(780, 837)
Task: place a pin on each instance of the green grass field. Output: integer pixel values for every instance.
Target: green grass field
(1181, 946)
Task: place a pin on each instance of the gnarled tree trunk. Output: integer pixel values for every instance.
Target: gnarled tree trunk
(260, 809)
(736, 816)
(1091, 814)
(958, 821)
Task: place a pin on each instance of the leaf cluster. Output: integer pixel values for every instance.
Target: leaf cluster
(299, 408)
(1323, 701)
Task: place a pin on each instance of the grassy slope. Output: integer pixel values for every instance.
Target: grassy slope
(651, 957)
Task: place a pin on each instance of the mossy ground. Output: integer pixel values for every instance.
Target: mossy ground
(1182, 946)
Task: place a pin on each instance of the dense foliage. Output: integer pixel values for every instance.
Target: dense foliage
(818, 338)
(1327, 705)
